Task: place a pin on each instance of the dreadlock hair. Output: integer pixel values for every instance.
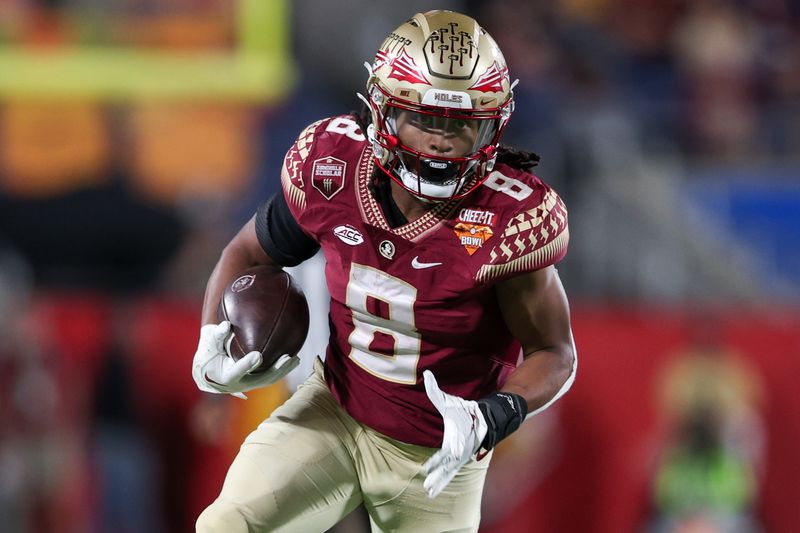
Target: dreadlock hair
(519, 159)
(513, 157)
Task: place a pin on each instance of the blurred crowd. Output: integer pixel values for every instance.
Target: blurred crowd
(714, 80)
(649, 115)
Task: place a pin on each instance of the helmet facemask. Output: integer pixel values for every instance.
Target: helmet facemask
(461, 146)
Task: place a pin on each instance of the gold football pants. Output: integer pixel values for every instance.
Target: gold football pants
(309, 464)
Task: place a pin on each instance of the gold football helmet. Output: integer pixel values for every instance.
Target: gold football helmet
(441, 73)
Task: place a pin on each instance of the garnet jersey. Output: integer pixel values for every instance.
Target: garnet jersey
(419, 296)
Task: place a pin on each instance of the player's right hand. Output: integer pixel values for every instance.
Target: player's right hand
(215, 371)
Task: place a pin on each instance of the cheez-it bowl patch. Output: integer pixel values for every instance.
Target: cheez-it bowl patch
(473, 228)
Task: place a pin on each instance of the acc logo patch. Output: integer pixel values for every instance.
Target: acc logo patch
(348, 234)
(327, 176)
(473, 228)
(243, 283)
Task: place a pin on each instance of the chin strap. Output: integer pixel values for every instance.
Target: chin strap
(371, 73)
(363, 99)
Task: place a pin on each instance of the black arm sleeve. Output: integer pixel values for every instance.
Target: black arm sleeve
(280, 235)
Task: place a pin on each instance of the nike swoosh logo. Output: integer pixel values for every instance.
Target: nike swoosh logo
(419, 265)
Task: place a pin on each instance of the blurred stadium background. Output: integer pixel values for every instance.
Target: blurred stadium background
(137, 135)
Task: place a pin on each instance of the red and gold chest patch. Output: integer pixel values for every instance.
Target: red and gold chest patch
(473, 228)
(327, 176)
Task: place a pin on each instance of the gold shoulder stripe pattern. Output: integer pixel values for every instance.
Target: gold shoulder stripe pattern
(532, 238)
(528, 262)
(291, 172)
(295, 195)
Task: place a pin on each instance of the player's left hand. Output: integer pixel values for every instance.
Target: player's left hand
(464, 430)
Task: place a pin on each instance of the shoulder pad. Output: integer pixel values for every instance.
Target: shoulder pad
(535, 237)
(292, 170)
(328, 136)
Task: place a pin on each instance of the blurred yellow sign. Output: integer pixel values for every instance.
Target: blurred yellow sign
(259, 69)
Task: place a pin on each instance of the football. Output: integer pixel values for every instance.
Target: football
(268, 313)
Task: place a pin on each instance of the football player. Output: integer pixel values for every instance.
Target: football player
(449, 324)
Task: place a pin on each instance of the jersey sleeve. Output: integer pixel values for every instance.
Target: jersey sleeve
(533, 239)
(293, 180)
(280, 235)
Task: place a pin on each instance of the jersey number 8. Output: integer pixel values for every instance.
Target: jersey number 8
(384, 341)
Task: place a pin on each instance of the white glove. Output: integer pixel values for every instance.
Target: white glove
(215, 371)
(464, 430)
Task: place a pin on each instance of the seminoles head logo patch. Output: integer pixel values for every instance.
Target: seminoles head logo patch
(327, 176)
(473, 228)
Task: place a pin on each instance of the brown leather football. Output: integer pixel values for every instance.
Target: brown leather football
(268, 313)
